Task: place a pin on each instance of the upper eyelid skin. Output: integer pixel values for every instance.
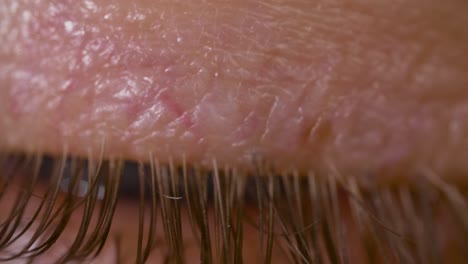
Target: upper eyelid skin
(363, 86)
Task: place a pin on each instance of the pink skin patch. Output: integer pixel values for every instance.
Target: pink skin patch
(175, 108)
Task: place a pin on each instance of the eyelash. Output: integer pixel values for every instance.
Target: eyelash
(305, 216)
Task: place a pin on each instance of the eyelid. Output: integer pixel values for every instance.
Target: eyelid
(302, 96)
(339, 96)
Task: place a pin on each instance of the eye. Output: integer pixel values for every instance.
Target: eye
(242, 131)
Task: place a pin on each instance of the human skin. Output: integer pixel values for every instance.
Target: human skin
(362, 87)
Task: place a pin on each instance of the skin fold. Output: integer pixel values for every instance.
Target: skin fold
(361, 87)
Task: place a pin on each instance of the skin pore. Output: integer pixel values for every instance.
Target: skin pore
(361, 87)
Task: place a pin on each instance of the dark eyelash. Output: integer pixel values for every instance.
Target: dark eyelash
(301, 215)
